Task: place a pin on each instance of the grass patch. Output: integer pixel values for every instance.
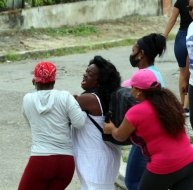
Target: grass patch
(124, 158)
(11, 56)
(81, 30)
(171, 37)
(140, 18)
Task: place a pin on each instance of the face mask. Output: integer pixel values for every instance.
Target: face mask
(133, 61)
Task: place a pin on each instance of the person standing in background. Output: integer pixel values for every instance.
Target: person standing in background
(143, 55)
(180, 50)
(187, 87)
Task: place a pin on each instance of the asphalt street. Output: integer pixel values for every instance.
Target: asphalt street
(15, 136)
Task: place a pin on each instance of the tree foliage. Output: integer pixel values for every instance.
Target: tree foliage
(3, 4)
(36, 3)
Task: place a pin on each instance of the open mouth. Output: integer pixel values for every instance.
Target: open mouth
(83, 82)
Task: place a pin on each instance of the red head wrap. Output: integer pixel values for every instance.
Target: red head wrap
(45, 72)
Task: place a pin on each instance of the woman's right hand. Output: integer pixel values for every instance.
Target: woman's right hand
(108, 127)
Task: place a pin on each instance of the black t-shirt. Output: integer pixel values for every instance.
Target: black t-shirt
(185, 18)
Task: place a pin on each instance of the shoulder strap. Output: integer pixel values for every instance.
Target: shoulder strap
(99, 103)
(95, 123)
(112, 103)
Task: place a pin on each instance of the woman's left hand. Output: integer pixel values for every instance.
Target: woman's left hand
(108, 128)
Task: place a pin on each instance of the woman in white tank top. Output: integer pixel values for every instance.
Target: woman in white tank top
(97, 162)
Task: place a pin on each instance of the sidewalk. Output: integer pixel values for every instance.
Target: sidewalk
(33, 44)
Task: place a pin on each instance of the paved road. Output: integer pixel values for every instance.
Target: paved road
(15, 136)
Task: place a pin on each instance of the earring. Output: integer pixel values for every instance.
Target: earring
(139, 58)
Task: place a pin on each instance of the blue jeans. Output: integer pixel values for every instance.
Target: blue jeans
(136, 165)
(180, 49)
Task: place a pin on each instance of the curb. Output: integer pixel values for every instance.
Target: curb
(44, 53)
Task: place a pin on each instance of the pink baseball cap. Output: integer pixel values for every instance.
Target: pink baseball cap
(142, 79)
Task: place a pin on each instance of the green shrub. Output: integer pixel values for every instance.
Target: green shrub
(83, 30)
(36, 3)
(3, 4)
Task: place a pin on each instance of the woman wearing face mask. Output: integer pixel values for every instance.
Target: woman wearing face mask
(143, 55)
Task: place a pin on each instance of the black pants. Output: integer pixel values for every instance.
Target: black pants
(190, 94)
(179, 180)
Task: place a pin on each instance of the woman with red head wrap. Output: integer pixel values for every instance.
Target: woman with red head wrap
(50, 113)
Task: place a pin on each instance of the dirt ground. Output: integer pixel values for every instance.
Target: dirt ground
(128, 27)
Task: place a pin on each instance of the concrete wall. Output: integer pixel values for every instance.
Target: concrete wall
(77, 13)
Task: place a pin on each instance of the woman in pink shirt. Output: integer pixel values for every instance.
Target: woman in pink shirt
(157, 125)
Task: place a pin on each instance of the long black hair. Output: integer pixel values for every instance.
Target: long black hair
(168, 109)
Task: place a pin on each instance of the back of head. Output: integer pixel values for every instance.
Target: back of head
(109, 77)
(45, 74)
(153, 45)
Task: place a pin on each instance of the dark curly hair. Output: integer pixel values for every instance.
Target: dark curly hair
(168, 109)
(109, 77)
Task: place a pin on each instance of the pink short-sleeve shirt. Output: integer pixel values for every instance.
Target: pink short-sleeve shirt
(165, 154)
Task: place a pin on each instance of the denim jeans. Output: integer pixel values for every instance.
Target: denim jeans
(180, 49)
(190, 96)
(136, 165)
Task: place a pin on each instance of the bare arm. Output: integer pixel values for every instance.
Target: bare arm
(88, 102)
(171, 21)
(75, 113)
(122, 133)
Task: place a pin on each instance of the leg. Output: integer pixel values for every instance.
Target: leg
(35, 175)
(66, 168)
(151, 181)
(47, 173)
(186, 106)
(180, 51)
(185, 176)
(179, 180)
(135, 167)
(190, 93)
(186, 184)
(182, 96)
